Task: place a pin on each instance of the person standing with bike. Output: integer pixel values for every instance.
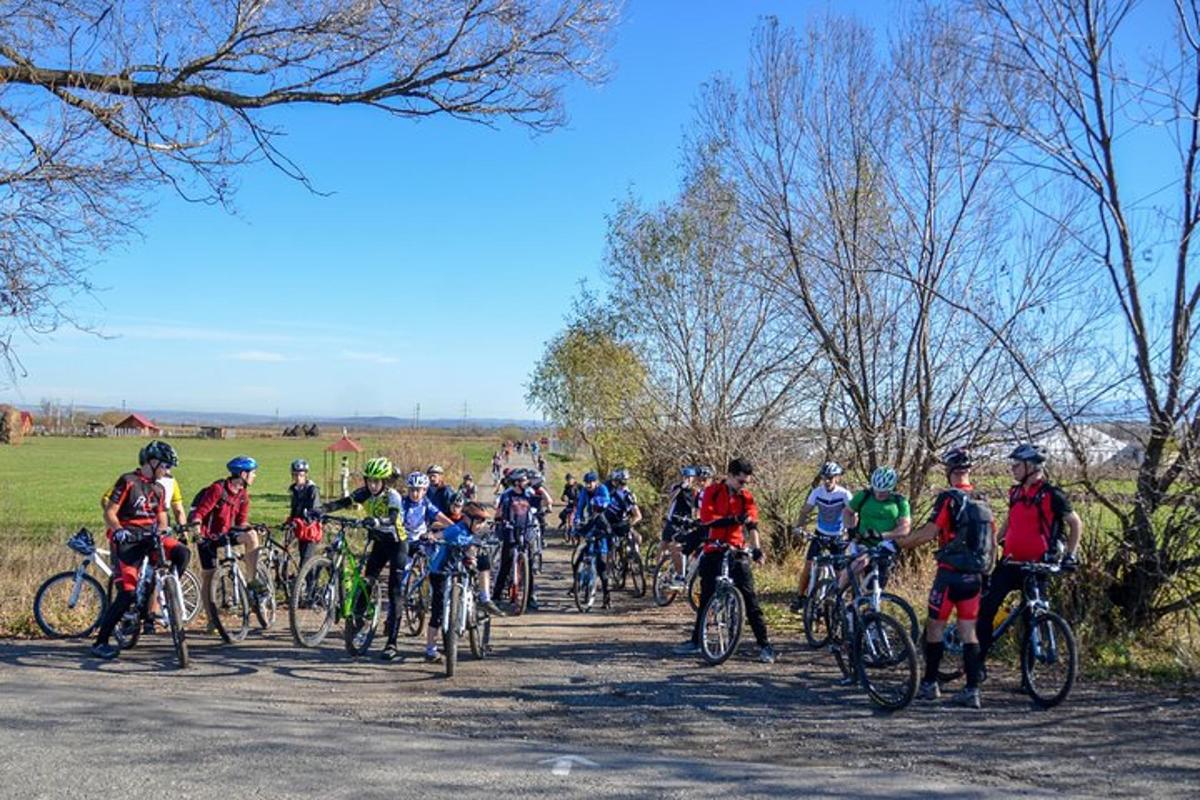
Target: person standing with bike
(683, 501)
(570, 498)
(962, 525)
(728, 510)
(438, 493)
(514, 512)
(881, 514)
(137, 505)
(305, 499)
(468, 520)
(829, 500)
(223, 509)
(1040, 516)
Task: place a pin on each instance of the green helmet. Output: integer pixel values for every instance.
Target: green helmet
(380, 468)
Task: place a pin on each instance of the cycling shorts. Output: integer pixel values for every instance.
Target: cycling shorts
(128, 562)
(955, 591)
(210, 549)
(821, 544)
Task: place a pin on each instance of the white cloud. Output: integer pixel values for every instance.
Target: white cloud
(372, 358)
(259, 356)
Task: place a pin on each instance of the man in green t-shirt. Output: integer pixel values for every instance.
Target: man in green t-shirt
(881, 514)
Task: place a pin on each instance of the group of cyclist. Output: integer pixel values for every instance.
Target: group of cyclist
(703, 515)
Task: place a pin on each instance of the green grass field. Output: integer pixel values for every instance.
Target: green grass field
(51, 486)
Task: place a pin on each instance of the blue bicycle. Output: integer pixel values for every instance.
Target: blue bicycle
(583, 587)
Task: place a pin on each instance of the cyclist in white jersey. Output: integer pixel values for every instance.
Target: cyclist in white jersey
(829, 500)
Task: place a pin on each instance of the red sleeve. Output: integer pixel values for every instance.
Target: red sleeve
(208, 501)
(708, 505)
(243, 514)
(751, 507)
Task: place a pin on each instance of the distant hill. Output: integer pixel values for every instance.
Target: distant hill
(169, 417)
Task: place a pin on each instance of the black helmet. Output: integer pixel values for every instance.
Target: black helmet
(159, 451)
(705, 471)
(1029, 453)
(299, 465)
(457, 499)
(831, 469)
(569, 477)
(956, 458)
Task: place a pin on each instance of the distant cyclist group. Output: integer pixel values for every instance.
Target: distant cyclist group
(708, 546)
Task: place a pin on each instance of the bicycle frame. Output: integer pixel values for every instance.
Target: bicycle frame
(1031, 604)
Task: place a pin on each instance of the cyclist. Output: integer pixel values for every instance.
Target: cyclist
(222, 509)
(458, 515)
(543, 503)
(727, 509)
(1038, 512)
(829, 500)
(305, 500)
(622, 510)
(955, 588)
(469, 521)
(682, 503)
(136, 506)
(467, 488)
(439, 493)
(381, 506)
(513, 514)
(570, 497)
(590, 519)
(497, 463)
(879, 515)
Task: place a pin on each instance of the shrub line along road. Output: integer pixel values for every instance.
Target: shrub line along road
(569, 704)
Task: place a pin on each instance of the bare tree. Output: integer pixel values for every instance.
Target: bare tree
(1085, 114)
(100, 101)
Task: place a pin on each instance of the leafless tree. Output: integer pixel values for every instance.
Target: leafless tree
(101, 101)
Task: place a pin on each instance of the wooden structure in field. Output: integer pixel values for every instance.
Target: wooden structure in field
(136, 425)
(341, 465)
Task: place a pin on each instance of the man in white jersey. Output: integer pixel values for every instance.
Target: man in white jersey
(828, 499)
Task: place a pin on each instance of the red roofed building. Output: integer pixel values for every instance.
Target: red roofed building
(136, 425)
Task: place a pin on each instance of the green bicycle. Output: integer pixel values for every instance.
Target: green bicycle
(331, 588)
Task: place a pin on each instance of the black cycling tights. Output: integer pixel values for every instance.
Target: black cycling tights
(394, 555)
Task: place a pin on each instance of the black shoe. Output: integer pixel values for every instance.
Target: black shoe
(607, 603)
(797, 605)
(390, 652)
(148, 627)
(105, 651)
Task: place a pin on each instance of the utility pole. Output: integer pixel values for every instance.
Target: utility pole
(417, 416)
(466, 415)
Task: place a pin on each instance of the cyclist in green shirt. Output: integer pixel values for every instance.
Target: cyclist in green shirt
(881, 514)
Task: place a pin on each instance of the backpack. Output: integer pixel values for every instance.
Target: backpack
(973, 547)
(200, 496)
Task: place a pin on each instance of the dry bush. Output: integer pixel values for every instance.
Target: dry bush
(10, 425)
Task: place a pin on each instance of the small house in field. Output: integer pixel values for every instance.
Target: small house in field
(96, 428)
(215, 432)
(136, 425)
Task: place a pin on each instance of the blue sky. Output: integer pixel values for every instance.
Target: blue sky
(444, 259)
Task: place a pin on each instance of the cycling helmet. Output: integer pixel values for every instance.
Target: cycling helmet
(589, 477)
(161, 452)
(434, 469)
(1029, 453)
(831, 469)
(467, 477)
(569, 477)
(619, 476)
(457, 499)
(956, 458)
(518, 474)
(689, 472)
(379, 468)
(239, 464)
(417, 480)
(536, 479)
(299, 465)
(705, 471)
(884, 479)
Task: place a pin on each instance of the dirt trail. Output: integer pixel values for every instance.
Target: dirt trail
(608, 679)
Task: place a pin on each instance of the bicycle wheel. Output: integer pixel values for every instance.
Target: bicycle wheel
(693, 591)
(416, 598)
(189, 584)
(617, 567)
(901, 610)
(264, 602)
(583, 588)
(840, 622)
(476, 620)
(816, 614)
(229, 604)
(1048, 659)
(364, 616)
(951, 647)
(886, 661)
(65, 609)
(637, 573)
(518, 592)
(173, 594)
(454, 612)
(313, 606)
(661, 580)
(721, 625)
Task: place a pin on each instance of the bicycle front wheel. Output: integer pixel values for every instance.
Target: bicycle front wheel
(229, 604)
(173, 594)
(693, 591)
(583, 589)
(637, 573)
(264, 601)
(416, 599)
(1048, 659)
(312, 608)
(454, 613)
(518, 592)
(661, 580)
(189, 584)
(721, 625)
(66, 609)
(886, 661)
(364, 616)
(816, 614)
(899, 609)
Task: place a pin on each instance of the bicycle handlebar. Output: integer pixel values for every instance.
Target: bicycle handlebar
(1042, 567)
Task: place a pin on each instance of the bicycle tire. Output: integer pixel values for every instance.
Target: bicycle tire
(725, 611)
(453, 612)
(229, 607)
(840, 639)
(173, 594)
(1045, 625)
(583, 587)
(316, 597)
(264, 602)
(475, 623)
(816, 614)
(881, 640)
(660, 578)
(693, 592)
(617, 567)
(519, 583)
(891, 603)
(189, 585)
(50, 609)
(416, 597)
(363, 621)
(637, 574)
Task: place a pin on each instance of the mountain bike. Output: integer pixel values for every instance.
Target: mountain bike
(1048, 655)
(626, 565)
(663, 578)
(460, 610)
(867, 590)
(517, 591)
(229, 600)
(868, 643)
(278, 563)
(70, 604)
(823, 592)
(585, 577)
(414, 586)
(156, 579)
(723, 615)
(331, 588)
(533, 536)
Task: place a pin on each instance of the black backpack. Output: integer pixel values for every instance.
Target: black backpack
(973, 547)
(200, 496)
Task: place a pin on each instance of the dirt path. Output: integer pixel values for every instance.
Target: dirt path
(608, 680)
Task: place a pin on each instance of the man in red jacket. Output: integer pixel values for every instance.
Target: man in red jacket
(727, 509)
(223, 509)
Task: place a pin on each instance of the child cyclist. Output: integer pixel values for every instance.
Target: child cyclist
(381, 516)
(470, 519)
(418, 513)
(458, 516)
(306, 499)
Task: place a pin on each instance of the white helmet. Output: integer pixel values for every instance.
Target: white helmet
(884, 479)
(418, 480)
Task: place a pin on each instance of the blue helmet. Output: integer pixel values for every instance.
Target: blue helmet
(240, 464)
(589, 477)
(689, 472)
